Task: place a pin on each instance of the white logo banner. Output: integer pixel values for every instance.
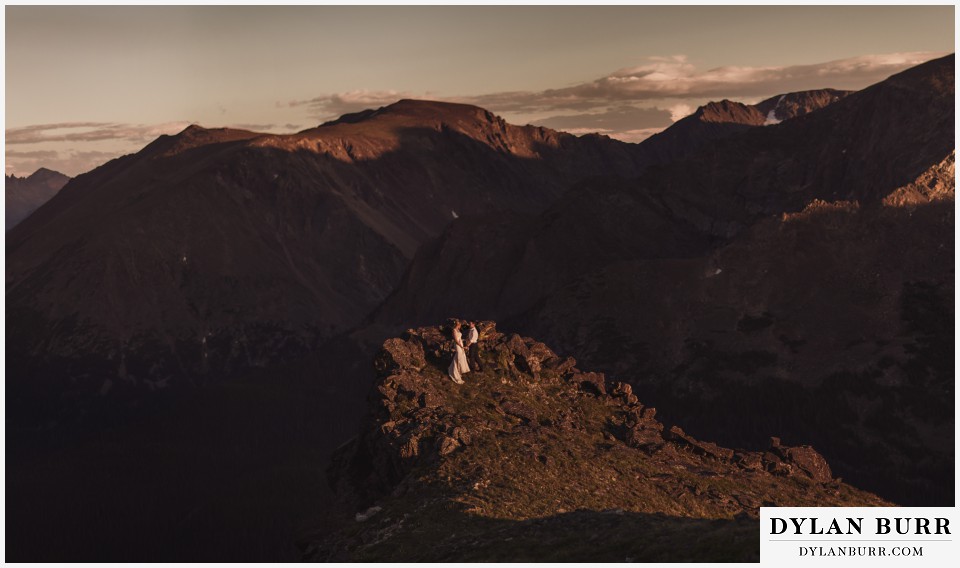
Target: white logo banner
(858, 536)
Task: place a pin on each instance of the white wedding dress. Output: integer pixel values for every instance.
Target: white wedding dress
(458, 367)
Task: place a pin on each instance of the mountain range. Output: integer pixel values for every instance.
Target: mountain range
(780, 269)
(801, 272)
(217, 250)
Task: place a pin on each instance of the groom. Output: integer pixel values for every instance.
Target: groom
(474, 347)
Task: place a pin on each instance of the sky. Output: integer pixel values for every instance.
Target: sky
(87, 84)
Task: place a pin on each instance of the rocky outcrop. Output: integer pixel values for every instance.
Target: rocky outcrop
(533, 436)
(791, 105)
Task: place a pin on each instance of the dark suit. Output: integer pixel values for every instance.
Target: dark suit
(474, 357)
(473, 354)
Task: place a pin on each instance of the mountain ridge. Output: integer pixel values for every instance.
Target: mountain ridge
(383, 176)
(216, 250)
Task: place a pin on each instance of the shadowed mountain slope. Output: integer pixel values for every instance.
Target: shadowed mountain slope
(26, 195)
(215, 250)
(716, 121)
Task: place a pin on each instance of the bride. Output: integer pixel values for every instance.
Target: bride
(458, 366)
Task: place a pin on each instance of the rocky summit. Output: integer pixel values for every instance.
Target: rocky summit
(534, 459)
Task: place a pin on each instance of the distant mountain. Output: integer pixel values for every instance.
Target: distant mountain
(216, 250)
(717, 120)
(684, 209)
(793, 272)
(25, 195)
(533, 459)
(791, 105)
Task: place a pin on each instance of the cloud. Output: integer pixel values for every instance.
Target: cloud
(587, 130)
(90, 132)
(614, 119)
(69, 162)
(630, 104)
(680, 110)
(659, 78)
(76, 147)
(337, 104)
(637, 135)
(676, 77)
(32, 154)
(622, 101)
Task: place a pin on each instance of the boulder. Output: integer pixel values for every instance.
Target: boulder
(780, 468)
(644, 438)
(677, 435)
(447, 445)
(537, 354)
(748, 460)
(397, 354)
(462, 435)
(521, 411)
(410, 447)
(430, 400)
(561, 367)
(810, 462)
(594, 383)
(803, 458)
(527, 357)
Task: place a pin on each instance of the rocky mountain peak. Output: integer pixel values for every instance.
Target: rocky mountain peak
(441, 109)
(729, 111)
(47, 174)
(25, 195)
(791, 105)
(194, 136)
(532, 438)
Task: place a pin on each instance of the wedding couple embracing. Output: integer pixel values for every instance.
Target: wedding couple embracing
(459, 367)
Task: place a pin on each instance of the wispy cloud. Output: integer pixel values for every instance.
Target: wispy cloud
(76, 147)
(635, 135)
(680, 110)
(624, 117)
(32, 154)
(69, 162)
(90, 132)
(629, 102)
(269, 127)
(677, 78)
(337, 104)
